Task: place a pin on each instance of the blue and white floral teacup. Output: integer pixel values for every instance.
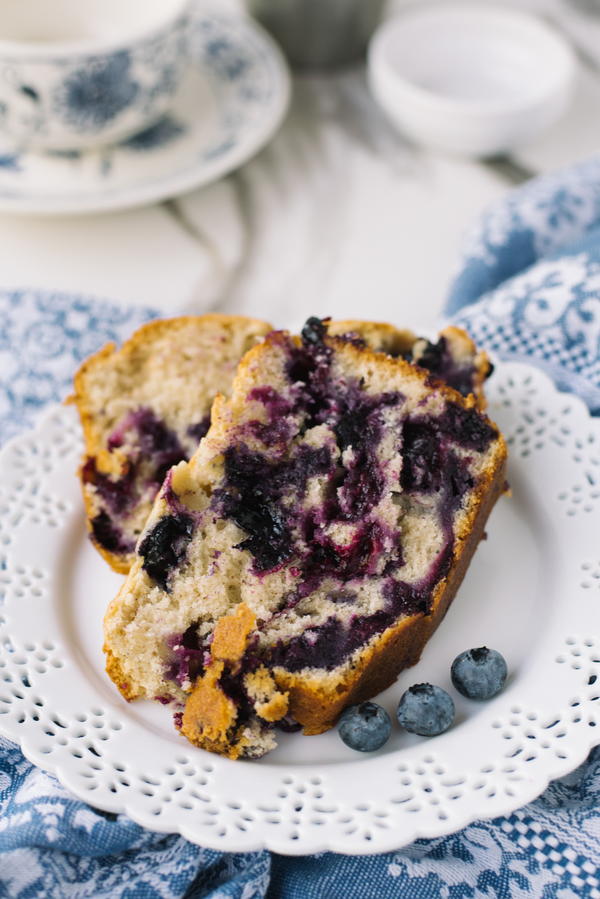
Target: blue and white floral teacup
(78, 73)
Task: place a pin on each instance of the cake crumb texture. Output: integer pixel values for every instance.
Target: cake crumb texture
(316, 538)
(143, 408)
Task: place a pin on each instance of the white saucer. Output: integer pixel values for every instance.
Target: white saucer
(231, 101)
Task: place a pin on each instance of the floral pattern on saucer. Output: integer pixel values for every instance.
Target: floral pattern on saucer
(51, 101)
(230, 102)
(92, 96)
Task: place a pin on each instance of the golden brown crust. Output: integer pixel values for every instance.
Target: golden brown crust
(114, 665)
(118, 676)
(481, 361)
(317, 707)
(385, 338)
(316, 701)
(365, 358)
(380, 336)
(93, 446)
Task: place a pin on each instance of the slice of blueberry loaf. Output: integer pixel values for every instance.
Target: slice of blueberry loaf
(454, 357)
(130, 444)
(306, 553)
(144, 408)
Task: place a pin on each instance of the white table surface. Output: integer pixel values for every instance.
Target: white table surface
(339, 215)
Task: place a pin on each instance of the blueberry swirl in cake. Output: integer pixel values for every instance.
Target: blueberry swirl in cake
(305, 554)
(453, 357)
(145, 407)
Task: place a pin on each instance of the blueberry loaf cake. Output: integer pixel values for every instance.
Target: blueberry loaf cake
(306, 553)
(454, 357)
(143, 409)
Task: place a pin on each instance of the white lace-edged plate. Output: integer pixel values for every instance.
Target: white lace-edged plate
(533, 592)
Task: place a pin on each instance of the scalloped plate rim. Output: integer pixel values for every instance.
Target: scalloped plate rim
(394, 841)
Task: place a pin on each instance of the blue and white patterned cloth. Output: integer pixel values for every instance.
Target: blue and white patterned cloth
(529, 282)
(528, 287)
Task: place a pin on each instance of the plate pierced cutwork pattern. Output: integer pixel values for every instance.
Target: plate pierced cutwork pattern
(497, 757)
(531, 426)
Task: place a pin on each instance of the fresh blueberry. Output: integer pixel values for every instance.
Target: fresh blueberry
(365, 727)
(426, 710)
(479, 673)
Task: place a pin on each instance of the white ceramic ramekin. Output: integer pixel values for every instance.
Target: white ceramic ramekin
(470, 79)
(75, 73)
